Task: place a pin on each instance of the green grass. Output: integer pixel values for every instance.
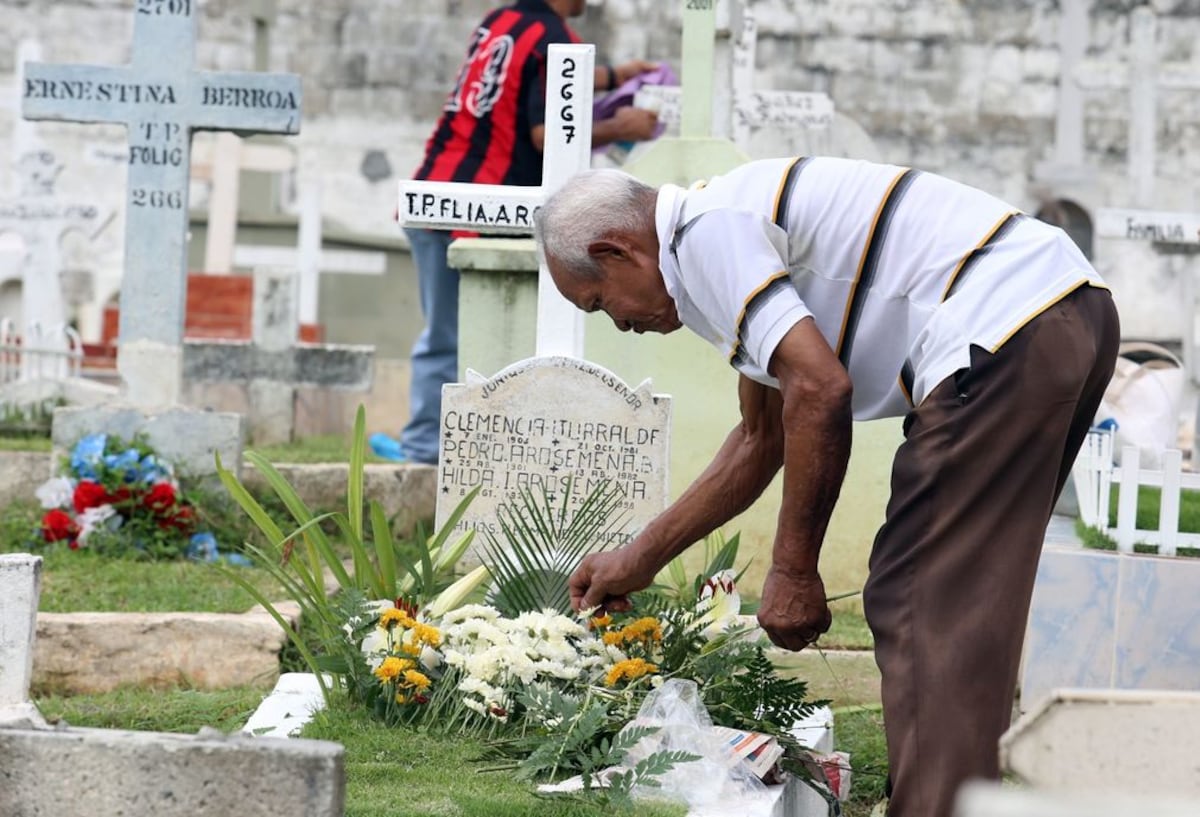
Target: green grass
(849, 630)
(183, 711)
(859, 731)
(331, 448)
(394, 772)
(77, 581)
(1148, 506)
(39, 445)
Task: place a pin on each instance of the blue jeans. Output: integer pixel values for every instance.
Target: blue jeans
(435, 354)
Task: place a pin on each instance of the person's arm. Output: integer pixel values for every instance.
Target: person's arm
(816, 391)
(609, 77)
(741, 470)
(628, 124)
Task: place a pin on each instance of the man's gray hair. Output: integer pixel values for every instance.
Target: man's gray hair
(592, 205)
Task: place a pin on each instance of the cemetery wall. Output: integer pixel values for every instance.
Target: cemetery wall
(964, 87)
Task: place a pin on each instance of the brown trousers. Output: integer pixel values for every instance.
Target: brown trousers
(951, 572)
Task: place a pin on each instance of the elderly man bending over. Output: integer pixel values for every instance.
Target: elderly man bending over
(843, 289)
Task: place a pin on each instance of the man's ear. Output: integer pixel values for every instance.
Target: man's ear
(605, 248)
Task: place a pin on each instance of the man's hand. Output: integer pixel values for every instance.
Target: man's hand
(628, 70)
(633, 124)
(606, 580)
(793, 611)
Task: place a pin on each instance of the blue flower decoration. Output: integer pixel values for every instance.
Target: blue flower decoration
(87, 455)
(203, 548)
(127, 464)
(152, 471)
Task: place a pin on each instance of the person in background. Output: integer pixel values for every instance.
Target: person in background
(843, 289)
(491, 132)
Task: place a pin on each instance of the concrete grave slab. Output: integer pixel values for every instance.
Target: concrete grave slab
(208, 775)
(274, 364)
(85, 653)
(1108, 740)
(994, 800)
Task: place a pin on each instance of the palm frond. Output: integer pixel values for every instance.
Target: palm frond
(543, 538)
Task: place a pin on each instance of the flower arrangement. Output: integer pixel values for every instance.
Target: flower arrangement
(554, 693)
(120, 497)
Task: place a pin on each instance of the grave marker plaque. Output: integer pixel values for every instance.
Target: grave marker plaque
(546, 422)
(161, 99)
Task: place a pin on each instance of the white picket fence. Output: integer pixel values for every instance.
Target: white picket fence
(1094, 475)
(54, 353)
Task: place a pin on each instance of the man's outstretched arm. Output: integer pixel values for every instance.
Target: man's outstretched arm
(741, 470)
(816, 393)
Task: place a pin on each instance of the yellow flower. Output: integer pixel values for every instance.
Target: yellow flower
(390, 618)
(613, 639)
(426, 634)
(601, 621)
(416, 680)
(391, 667)
(644, 629)
(630, 670)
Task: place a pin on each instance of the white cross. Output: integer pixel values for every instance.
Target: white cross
(222, 163)
(161, 99)
(309, 259)
(730, 59)
(1143, 75)
(505, 209)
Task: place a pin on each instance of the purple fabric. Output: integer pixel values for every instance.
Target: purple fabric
(606, 106)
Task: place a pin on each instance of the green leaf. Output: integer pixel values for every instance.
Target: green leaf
(385, 549)
(354, 483)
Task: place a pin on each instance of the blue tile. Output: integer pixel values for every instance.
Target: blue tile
(1072, 623)
(1158, 624)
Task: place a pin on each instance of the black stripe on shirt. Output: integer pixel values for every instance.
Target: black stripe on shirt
(786, 188)
(870, 261)
(998, 232)
(758, 299)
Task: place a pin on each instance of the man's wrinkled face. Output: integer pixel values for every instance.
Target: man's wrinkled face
(631, 292)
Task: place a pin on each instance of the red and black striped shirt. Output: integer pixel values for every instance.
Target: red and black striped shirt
(483, 135)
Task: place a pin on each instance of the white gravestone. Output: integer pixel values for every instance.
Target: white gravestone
(42, 219)
(499, 209)
(20, 579)
(546, 422)
(161, 99)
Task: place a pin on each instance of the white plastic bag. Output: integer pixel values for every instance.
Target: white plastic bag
(678, 711)
(1144, 399)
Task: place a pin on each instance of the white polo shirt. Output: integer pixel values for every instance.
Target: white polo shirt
(901, 270)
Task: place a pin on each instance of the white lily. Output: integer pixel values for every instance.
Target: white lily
(454, 595)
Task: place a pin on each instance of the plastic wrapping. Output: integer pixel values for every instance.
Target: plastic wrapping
(684, 725)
